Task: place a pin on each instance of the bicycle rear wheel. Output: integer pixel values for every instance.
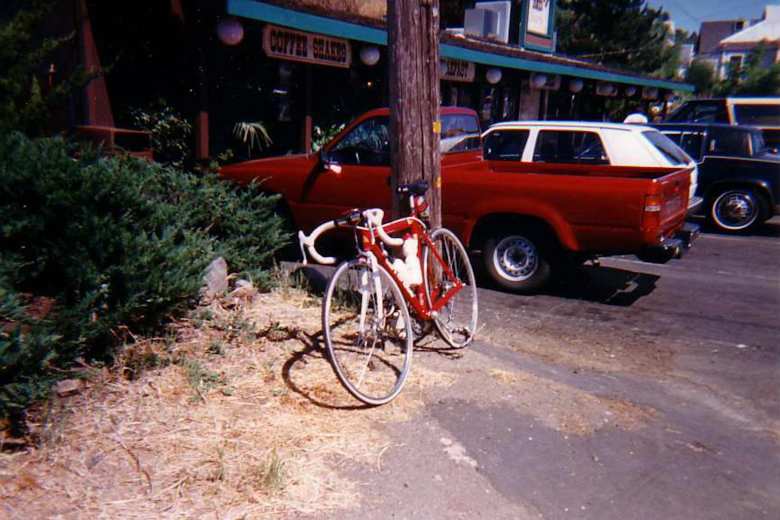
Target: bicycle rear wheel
(457, 320)
(368, 332)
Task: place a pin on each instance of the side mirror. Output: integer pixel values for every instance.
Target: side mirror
(328, 164)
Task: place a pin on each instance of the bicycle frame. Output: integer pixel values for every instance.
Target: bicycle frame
(370, 242)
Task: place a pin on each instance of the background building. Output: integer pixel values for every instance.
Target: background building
(299, 67)
(727, 43)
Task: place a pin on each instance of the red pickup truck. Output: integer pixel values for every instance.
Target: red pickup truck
(537, 195)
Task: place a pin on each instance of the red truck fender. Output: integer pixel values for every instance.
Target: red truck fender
(521, 207)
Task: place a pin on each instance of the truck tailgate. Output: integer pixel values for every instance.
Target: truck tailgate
(674, 194)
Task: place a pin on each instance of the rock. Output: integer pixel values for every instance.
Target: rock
(69, 387)
(244, 291)
(215, 279)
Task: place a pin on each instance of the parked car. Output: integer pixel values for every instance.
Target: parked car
(739, 176)
(761, 112)
(543, 193)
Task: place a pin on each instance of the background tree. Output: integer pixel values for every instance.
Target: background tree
(701, 74)
(622, 33)
(25, 104)
(755, 78)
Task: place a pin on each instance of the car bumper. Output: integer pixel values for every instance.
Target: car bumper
(672, 247)
(694, 205)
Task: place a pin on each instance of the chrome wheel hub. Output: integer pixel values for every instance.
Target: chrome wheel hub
(516, 258)
(735, 210)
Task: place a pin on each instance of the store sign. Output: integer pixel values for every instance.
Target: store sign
(456, 70)
(286, 44)
(539, 17)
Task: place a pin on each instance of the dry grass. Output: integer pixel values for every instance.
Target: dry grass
(237, 415)
(568, 409)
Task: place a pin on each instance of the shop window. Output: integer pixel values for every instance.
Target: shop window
(564, 146)
(368, 144)
(506, 145)
(459, 133)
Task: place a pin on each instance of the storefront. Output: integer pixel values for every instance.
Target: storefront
(299, 72)
(499, 81)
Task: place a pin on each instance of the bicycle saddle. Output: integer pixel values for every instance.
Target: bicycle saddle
(415, 188)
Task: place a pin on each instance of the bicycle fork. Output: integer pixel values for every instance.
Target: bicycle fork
(370, 284)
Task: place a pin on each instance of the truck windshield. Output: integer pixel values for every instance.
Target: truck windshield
(666, 146)
(759, 115)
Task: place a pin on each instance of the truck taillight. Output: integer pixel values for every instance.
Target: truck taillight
(651, 216)
(653, 204)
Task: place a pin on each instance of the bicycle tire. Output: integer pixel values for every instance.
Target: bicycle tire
(458, 331)
(380, 347)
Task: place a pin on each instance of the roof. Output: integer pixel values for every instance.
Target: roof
(371, 30)
(569, 124)
(725, 126)
(767, 29)
(763, 100)
(444, 111)
(711, 34)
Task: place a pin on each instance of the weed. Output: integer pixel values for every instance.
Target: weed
(216, 347)
(139, 358)
(273, 473)
(200, 378)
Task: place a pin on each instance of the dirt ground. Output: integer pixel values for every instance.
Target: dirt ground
(235, 413)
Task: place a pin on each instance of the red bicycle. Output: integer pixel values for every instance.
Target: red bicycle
(368, 328)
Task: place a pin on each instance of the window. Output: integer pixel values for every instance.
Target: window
(759, 145)
(735, 63)
(691, 142)
(459, 133)
(368, 144)
(759, 115)
(505, 145)
(728, 141)
(668, 149)
(566, 146)
(701, 112)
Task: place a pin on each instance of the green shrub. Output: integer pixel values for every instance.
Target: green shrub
(119, 244)
(171, 132)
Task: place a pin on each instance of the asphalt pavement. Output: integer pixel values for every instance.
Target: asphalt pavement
(632, 390)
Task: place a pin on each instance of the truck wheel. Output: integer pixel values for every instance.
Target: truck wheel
(517, 262)
(735, 209)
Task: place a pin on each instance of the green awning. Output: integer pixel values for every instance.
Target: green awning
(332, 27)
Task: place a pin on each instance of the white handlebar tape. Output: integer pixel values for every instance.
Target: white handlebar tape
(308, 242)
(375, 217)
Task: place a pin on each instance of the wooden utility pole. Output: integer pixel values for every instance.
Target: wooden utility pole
(413, 34)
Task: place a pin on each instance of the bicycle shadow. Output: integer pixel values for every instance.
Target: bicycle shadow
(313, 352)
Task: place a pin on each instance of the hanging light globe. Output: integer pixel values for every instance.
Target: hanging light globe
(576, 85)
(369, 55)
(539, 80)
(230, 31)
(493, 75)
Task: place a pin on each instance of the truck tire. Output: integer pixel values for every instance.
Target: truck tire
(518, 261)
(733, 210)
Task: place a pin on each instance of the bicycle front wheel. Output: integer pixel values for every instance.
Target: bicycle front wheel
(456, 321)
(368, 332)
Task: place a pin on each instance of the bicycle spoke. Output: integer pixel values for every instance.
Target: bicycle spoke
(457, 319)
(366, 324)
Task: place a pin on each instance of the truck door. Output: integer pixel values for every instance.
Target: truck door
(364, 157)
